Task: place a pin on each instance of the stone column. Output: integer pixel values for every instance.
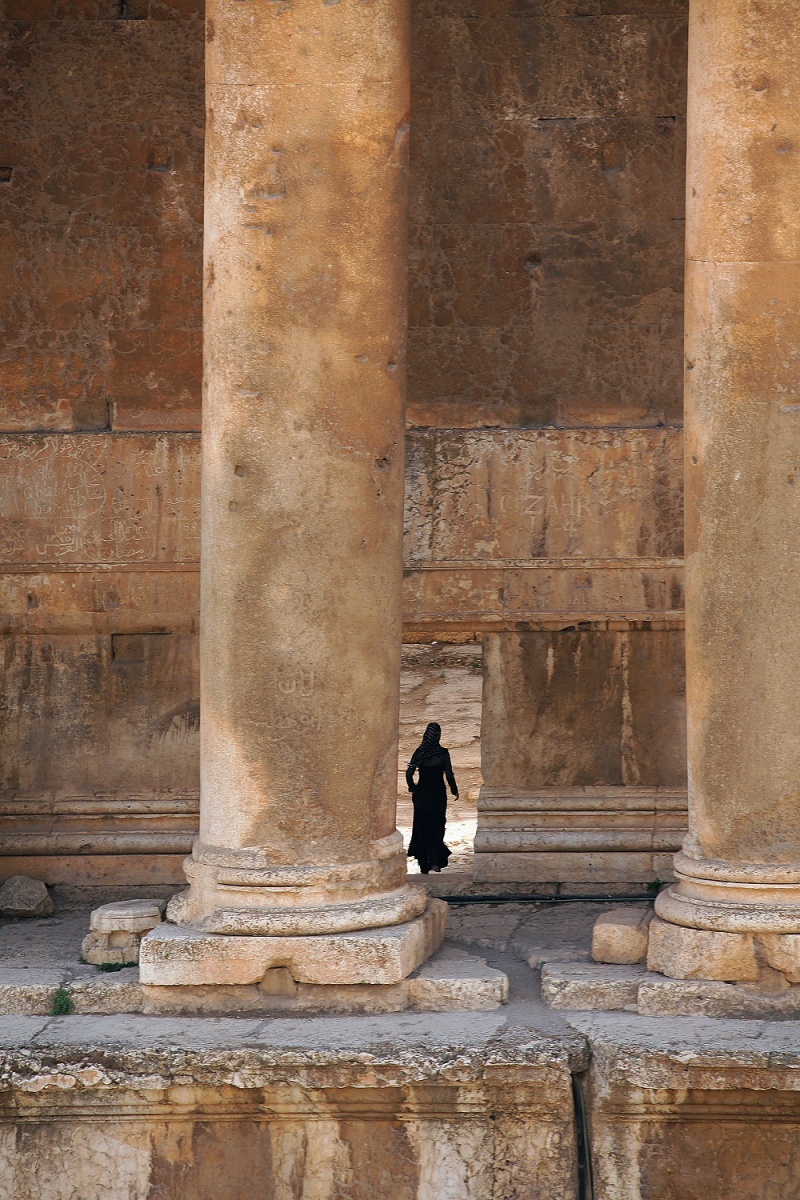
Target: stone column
(302, 484)
(735, 908)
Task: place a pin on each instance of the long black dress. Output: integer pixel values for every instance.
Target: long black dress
(429, 797)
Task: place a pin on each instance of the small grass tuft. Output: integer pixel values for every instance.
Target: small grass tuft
(655, 885)
(62, 1003)
(107, 967)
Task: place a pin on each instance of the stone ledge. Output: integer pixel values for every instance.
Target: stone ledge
(585, 987)
(450, 981)
(601, 987)
(453, 979)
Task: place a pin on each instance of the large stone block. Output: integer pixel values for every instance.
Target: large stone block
(684, 953)
(69, 501)
(406, 1109)
(692, 1108)
(21, 896)
(583, 756)
(550, 184)
(179, 956)
(620, 935)
(584, 709)
(100, 714)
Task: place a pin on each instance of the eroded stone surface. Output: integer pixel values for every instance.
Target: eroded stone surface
(129, 916)
(684, 953)
(621, 934)
(413, 1105)
(584, 986)
(21, 896)
(559, 933)
(692, 1107)
(172, 955)
(453, 979)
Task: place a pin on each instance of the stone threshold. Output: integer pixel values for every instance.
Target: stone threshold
(451, 980)
(603, 987)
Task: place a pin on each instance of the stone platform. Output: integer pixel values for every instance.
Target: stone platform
(409, 1105)
(33, 969)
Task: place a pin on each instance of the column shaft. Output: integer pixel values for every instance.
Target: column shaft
(740, 867)
(302, 484)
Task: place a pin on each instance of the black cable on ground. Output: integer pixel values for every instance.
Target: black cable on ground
(505, 899)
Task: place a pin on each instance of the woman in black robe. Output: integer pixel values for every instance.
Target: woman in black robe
(432, 761)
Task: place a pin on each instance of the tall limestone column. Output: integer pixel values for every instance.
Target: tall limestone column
(735, 908)
(302, 490)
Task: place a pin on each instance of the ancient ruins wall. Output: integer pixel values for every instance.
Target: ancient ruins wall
(545, 272)
(101, 210)
(547, 212)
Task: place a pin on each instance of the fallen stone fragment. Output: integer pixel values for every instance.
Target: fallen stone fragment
(621, 935)
(21, 896)
(117, 930)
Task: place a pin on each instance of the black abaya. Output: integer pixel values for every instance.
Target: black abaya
(429, 796)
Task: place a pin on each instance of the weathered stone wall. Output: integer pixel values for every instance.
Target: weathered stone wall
(101, 212)
(545, 273)
(547, 212)
(101, 162)
(222, 1123)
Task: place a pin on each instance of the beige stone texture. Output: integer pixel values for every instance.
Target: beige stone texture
(130, 916)
(547, 180)
(116, 931)
(714, 1116)
(584, 986)
(620, 935)
(315, 1107)
(659, 997)
(110, 949)
(509, 530)
(740, 868)
(685, 953)
(453, 979)
(782, 953)
(173, 956)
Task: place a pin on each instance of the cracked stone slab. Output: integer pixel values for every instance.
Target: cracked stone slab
(453, 979)
(487, 925)
(602, 987)
(590, 986)
(560, 933)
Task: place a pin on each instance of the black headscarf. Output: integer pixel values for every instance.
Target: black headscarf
(428, 747)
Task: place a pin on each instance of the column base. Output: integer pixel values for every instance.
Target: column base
(734, 922)
(182, 956)
(245, 894)
(681, 952)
